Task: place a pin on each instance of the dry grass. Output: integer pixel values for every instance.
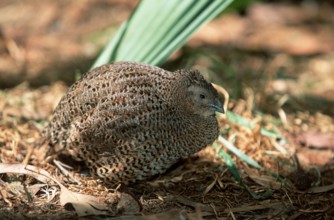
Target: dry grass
(200, 187)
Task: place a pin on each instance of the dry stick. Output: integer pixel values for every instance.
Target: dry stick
(224, 92)
(65, 172)
(33, 171)
(281, 112)
(4, 196)
(245, 208)
(28, 156)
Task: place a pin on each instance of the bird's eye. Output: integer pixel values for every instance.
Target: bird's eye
(202, 96)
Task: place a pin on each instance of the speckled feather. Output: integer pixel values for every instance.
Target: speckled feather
(130, 121)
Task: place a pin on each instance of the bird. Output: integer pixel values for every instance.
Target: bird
(130, 121)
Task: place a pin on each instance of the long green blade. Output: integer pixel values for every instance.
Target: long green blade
(238, 153)
(157, 28)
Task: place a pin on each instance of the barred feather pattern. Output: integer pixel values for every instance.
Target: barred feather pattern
(130, 121)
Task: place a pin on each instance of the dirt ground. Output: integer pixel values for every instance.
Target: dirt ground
(276, 61)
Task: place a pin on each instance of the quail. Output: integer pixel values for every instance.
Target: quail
(130, 121)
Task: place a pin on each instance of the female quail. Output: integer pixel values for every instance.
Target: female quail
(129, 121)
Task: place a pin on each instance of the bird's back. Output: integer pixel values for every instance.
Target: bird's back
(119, 88)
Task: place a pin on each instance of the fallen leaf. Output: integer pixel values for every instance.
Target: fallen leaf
(34, 189)
(33, 171)
(308, 157)
(317, 139)
(321, 189)
(83, 204)
(190, 203)
(128, 205)
(175, 214)
(263, 180)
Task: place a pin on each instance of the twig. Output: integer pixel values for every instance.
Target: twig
(65, 172)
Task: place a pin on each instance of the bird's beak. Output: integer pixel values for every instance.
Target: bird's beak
(217, 106)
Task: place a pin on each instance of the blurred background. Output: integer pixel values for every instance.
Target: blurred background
(272, 47)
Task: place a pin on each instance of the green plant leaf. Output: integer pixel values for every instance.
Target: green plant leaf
(238, 153)
(232, 168)
(238, 119)
(157, 28)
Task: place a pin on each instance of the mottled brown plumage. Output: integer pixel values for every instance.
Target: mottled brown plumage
(129, 121)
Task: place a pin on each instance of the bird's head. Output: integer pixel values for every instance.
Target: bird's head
(205, 100)
(200, 96)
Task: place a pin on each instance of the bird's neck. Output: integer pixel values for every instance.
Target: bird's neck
(203, 131)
